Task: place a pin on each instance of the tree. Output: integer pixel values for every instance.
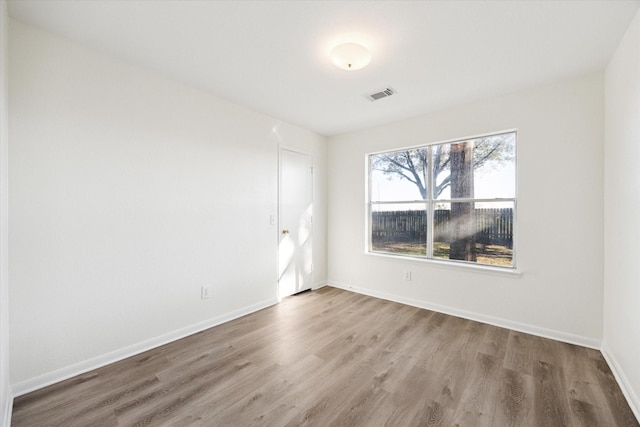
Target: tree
(453, 168)
(412, 164)
(463, 220)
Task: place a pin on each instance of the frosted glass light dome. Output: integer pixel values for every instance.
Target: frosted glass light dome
(350, 56)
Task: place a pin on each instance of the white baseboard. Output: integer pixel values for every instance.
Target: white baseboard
(318, 286)
(56, 376)
(7, 410)
(623, 381)
(496, 321)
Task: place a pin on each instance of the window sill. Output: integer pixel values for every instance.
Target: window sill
(448, 265)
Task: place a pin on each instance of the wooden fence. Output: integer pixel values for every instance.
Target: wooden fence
(493, 226)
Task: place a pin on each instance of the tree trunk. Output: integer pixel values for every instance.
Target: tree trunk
(463, 244)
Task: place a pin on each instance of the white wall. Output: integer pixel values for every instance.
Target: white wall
(621, 343)
(560, 214)
(5, 388)
(128, 192)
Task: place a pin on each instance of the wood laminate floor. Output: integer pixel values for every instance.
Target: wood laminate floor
(336, 358)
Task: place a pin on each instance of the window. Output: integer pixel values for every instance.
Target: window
(453, 201)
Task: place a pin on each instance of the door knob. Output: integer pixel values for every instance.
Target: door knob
(285, 231)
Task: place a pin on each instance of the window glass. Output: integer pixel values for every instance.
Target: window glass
(468, 213)
(399, 229)
(481, 168)
(399, 175)
(474, 232)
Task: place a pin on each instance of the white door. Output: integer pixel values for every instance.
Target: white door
(296, 207)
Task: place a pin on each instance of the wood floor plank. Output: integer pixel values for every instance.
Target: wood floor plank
(495, 342)
(280, 398)
(519, 353)
(405, 403)
(613, 398)
(332, 357)
(550, 406)
(514, 401)
(478, 399)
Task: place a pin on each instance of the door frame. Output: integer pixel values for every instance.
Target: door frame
(281, 148)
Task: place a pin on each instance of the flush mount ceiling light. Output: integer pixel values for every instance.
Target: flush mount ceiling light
(350, 56)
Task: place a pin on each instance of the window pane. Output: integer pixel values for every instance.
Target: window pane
(399, 175)
(462, 194)
(399, 229)
(474, 232)
(481, 168)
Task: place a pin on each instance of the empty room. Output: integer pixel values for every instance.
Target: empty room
(285, 213)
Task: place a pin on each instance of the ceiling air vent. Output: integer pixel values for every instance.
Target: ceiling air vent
(381, 94)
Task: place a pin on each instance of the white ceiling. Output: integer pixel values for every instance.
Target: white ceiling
(272, 56)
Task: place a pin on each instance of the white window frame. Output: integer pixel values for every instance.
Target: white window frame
(430, 208)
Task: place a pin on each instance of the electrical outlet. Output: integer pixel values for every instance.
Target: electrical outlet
(407, 276)
(205, 292)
